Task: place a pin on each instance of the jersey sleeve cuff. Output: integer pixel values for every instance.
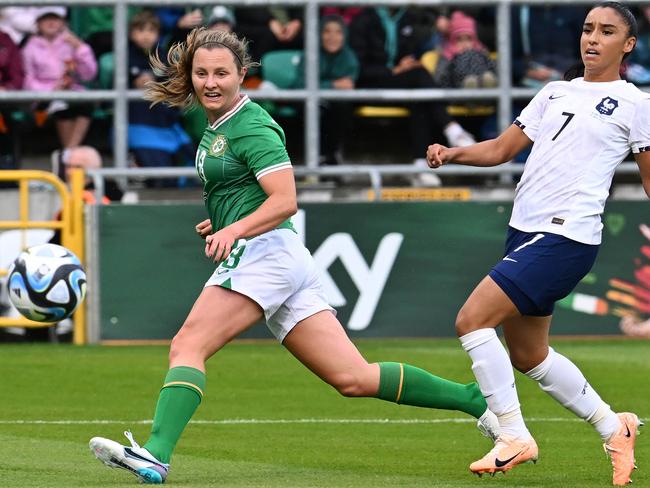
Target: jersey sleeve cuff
(526, 130)
(272, 169)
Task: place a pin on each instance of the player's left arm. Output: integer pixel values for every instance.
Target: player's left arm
(280, 186)
(643, 160)
(281, 204)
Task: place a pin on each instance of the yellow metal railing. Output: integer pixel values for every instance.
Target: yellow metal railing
(70, 225)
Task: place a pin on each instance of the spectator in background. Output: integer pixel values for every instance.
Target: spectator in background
(85, 157)
(156, 137)
(95, 26)
(346, 13)
(56, 59)
(270, 28)
(465, 61)
(544, 42)
(218, 17)
(388, 50)
(221, 18)
(338, 69)
(177, 22)
(485, 18)
(11, 78)
(18, 22)
(11, 64)
(638, 65)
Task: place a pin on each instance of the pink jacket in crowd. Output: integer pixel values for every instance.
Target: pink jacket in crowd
(46, 63)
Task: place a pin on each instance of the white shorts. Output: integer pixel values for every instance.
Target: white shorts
(276, 271)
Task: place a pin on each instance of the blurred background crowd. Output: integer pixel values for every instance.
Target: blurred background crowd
(58, 48)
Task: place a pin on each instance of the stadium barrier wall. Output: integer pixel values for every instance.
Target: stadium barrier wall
(390, 269)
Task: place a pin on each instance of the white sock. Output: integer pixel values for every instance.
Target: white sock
(605, 422)
(562, 380)
(493, 372)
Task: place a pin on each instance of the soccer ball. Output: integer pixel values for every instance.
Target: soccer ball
(46, 283)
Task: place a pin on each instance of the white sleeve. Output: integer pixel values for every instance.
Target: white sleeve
(640, 129)
(530, 117)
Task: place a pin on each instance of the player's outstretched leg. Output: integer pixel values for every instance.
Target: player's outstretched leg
(131, 458)
(321, 344)
(620, 448)
(409, 385)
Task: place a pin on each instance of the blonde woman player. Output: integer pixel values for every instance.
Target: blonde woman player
(581, 130)
(263, 270)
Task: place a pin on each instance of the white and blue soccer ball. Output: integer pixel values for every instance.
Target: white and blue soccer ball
(46, 283)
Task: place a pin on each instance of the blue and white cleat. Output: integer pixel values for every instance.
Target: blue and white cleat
(135, 459)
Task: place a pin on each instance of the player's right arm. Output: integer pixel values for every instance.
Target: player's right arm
(486, 153)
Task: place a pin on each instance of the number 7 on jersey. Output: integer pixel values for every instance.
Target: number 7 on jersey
(568, 116)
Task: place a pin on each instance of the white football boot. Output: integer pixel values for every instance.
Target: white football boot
(135, 459)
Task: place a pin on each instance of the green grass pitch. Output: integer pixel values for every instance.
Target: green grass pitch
(268, 422)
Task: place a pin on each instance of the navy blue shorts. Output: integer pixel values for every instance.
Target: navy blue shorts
(540, 268)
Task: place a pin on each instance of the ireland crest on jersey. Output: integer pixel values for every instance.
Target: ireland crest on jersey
(219, 145)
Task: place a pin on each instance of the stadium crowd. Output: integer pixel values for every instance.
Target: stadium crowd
(59, 48)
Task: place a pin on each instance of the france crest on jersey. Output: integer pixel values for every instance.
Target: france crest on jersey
(607, 106)
(581, 132)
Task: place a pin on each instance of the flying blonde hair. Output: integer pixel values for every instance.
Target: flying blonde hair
(175, 88)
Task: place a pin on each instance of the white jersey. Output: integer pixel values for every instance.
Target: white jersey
(581, 133)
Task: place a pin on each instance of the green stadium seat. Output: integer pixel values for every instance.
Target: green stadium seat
(106, 68)
(281, 67)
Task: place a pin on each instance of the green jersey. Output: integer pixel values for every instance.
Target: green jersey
(236, 150)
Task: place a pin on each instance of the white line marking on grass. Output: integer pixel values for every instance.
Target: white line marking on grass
(273, 421)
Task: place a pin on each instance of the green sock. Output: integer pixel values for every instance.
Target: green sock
(179, 398)
(407, 385)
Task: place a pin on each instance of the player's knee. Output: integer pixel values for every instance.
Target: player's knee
(471, 318)
(186, 343)
(349, 385)
(177, 347)
(466, 322)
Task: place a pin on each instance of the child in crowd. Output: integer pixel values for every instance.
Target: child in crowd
(156, 137)
(56, 59)
(465, 61)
